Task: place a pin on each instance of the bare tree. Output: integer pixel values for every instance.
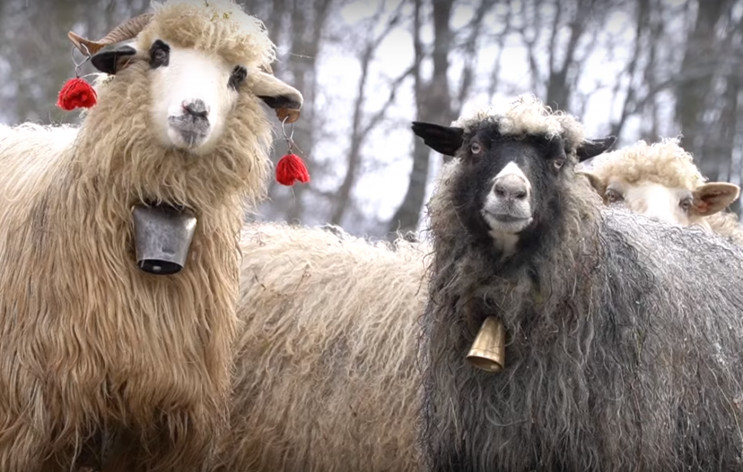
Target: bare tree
(362, 125)
(557, 28)
(433, 103)
(698, 81)
(678, 71)
(468, 50)
(38, 55)
(297, 25)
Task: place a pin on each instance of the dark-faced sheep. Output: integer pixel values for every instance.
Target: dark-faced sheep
(660, 181)
(94, 351)
(325, 372)
(623, 334)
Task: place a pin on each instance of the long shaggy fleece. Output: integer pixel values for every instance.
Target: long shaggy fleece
(326, 375)
(623, 345)
(90, 344)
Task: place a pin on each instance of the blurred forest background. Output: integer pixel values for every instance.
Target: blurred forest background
(638, 69)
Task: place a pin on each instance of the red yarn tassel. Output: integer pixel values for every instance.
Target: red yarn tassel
(76, 93)
(290, 169)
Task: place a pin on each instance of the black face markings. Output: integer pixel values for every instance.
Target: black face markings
(540, 159)
(239, 73)
(555, 153)
(111, 60)
(159, 54)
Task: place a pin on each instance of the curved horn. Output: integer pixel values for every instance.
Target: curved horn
(127, 30)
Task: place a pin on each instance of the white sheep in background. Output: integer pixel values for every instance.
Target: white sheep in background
(95, 352)
(326, 373)
(661, 181)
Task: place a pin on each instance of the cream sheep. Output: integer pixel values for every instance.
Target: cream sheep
(661, 181)
(95, 353)
(327, 378)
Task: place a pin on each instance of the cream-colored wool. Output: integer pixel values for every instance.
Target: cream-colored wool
(326, 373)
(90, 344)
(218, 27)
(668, 164)
(524, 115)
(664, 162)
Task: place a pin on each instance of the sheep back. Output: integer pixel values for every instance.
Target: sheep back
(326, 378)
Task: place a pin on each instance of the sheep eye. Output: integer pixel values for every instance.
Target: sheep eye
(237, 77)
(557, 164)
(475, 148)
(613, 196)
(686, 203)
(159, 54)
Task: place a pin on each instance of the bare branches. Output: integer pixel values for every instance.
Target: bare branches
(359, 129)
(468, 50)
(667, 68)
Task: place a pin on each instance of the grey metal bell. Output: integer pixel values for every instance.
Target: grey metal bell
(162, 238)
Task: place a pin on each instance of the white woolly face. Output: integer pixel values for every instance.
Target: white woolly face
(507, 208)
(669, 205)
(192, 95)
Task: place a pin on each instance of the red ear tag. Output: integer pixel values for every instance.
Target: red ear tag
(76, 93)
(291, 168)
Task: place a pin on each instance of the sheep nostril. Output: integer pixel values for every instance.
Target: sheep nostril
(510, 189)
(196, 108)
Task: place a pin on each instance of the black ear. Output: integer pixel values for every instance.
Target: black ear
(112, 60)
(444, 139)
(593, 147)
(282, 97)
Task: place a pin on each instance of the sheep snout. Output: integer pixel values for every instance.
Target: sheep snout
(507, 208)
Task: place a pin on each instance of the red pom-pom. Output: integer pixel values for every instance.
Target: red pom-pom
(76, 93)
(290, 169)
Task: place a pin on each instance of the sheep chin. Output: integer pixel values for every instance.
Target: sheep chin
(188, 134)
(504, 224)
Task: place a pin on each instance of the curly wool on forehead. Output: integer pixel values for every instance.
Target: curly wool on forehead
(665, 163)
(526, 115)
(213, 26)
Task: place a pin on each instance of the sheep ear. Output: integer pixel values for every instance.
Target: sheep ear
(593, 147)
(444, 139)
(112, 60)
(285, 99)
(596, 182)
(713, 197)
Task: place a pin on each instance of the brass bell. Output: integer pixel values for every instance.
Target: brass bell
(488, 351)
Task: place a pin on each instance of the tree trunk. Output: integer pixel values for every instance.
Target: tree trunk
(695, 81)
(433, 104)
(304, 26)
